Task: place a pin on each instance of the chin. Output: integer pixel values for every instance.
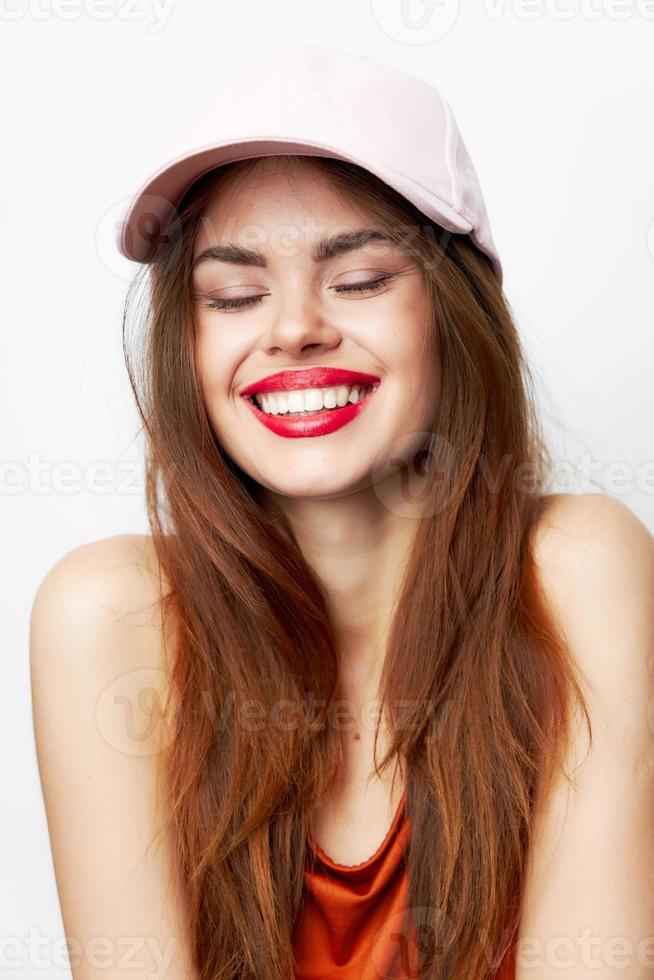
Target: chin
(315, 485)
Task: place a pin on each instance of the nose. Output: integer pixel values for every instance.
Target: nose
(299, 325)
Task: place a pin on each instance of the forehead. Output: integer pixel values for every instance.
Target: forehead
(273, 197)
(281, 180)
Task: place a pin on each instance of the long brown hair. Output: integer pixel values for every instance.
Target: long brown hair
(484, 678)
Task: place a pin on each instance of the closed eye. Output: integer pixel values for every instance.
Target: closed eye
(359, 287)
(371, 286)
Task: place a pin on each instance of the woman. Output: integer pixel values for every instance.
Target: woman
(370, 646)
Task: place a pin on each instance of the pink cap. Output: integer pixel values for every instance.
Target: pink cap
(317, 101)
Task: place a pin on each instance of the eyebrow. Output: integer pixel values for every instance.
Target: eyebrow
(326, 248)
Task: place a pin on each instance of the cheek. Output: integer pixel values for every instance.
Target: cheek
(404, 335)
(204, 368)
(214, 364)
(412, 358)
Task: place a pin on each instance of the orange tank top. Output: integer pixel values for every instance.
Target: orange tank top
(351, 926)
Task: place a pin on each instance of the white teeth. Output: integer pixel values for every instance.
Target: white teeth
(329, 398)
(342, 395)
(310, 399)
(295, 401)
(313, 400)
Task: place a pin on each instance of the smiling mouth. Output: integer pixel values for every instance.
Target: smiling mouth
(306, 402)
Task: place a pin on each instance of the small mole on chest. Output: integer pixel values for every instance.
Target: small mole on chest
(356, 735)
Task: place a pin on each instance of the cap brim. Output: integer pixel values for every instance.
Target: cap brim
(171, 183)
(151, 209)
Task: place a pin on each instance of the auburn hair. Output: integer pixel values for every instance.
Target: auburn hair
(484, 679)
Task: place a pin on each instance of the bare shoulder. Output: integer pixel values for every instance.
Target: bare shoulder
(117, 573)
(107, 590)
(575, 530)
(592, 847)
(101, 725)
(595, 562)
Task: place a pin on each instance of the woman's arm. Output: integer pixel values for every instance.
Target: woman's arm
(95, 654)
(588, 907)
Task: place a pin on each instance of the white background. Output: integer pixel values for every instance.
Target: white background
(555, 101)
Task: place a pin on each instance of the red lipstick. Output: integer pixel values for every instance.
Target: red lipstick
(322, 422)
(317, 377)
